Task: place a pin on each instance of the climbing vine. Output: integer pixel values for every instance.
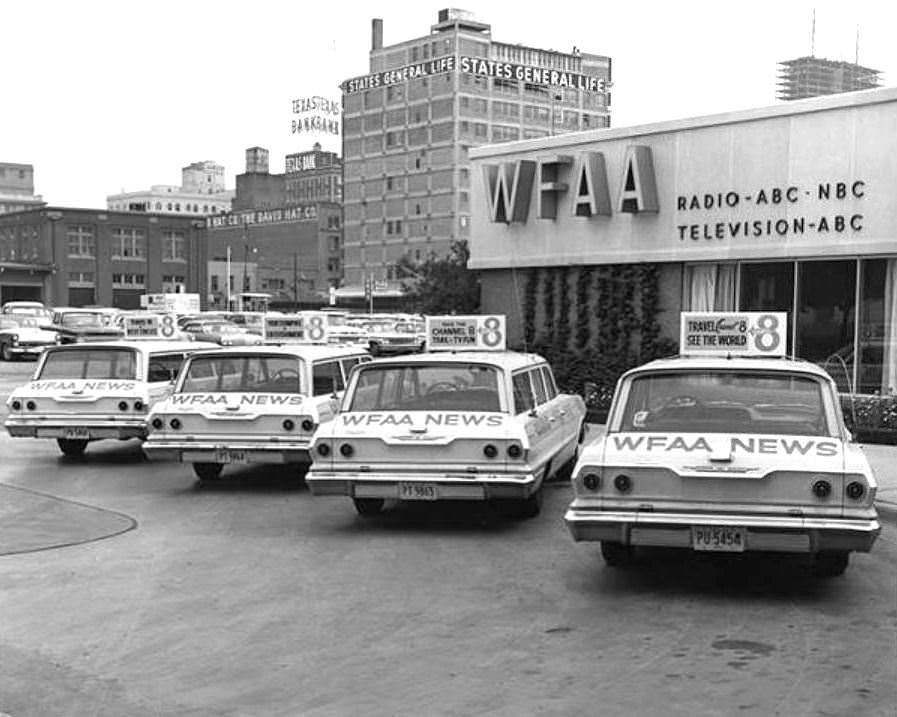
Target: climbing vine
(583, 314)
(529, 307)
(566, 307)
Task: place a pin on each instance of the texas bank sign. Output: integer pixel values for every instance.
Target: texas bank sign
(709, 189)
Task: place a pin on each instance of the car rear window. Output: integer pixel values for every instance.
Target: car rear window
(725, 402)
(439, 387)
(243, 374)
(90, 363)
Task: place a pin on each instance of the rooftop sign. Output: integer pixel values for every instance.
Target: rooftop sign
(480, 67)
(466, 333)
(150, 326)
(746, 333)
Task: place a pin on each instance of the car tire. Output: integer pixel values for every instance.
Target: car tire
(520, 508)
(207, 471)
(617, 555)
(72, 447)
(830, 564)
(368, 506)
(5, 353)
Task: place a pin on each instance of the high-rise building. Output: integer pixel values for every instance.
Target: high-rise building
(813, 76)
(409, 123)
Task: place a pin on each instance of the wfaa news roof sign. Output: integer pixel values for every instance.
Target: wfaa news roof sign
(466, 333)
(746, 333)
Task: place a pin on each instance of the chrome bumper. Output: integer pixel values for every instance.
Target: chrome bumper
(460, 486)
(217, 452)
(62, 427)
(762, 533)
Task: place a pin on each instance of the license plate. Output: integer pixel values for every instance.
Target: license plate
(223, 455)
(717, 538)
(418, 491)
(77, 434)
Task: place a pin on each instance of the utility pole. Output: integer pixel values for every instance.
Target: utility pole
(296, 280)
(227, 280)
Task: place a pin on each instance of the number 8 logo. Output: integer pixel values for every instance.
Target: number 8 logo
(766, 335)
(316, 328)
(167, 329)
(492, 335)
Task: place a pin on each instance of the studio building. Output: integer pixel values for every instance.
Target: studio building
(602, 238)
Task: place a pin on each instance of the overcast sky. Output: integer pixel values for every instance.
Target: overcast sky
(108, 96)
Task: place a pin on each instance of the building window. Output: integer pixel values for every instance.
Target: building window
(128, 281)
(81, 241)
(173, 246)
(128, 243)
(81, 278)
(173, 283)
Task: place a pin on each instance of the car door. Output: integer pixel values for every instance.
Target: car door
(534, 421)
(328, 386)
(162, 370)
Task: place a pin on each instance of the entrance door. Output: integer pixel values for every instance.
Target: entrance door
(16, 292)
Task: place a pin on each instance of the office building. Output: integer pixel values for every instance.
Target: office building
(409, 123)
(813, 76)
(17, 188)
(201, 193)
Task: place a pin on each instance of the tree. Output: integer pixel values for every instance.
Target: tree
(441, 285)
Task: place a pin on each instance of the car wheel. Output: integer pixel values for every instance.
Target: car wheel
(521, 508)
(207, 471)
(830, 564)
(5, 352)
(617, 555)
(73, 448)
(368, 506)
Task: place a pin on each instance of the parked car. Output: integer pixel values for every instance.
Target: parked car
(391, 337)
(85, 392)
(33, 309)
(472, 425)
(250, 405)
(77, 325)
(21, 336)
(221, 332)
(726, 455)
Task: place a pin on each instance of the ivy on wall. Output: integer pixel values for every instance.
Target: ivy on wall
(610, 318)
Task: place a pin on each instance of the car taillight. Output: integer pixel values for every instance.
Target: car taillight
(175, 423)
(323, 449)
(122, 406)
(490, 451)
(592, 481)
(822, 489)
(31, 405)
(515, 450)
(138, 405)
(855, 490)
(623, 483)
(157, 423)
(346, 450)
(308, 425)
(288, 424)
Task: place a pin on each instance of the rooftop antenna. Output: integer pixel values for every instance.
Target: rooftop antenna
(813, 36)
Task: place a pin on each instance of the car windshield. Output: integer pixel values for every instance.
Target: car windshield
(28, 322)
(85, 319)
(726, 402)
(90, 363)
(244, 374)
(427, 387)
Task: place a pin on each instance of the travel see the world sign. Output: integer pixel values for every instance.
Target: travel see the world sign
(481, 68)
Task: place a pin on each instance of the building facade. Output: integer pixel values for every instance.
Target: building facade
(409, 124)
(77, 257)
(603, 238)
(201, 193)
(811, 76)
(275, 242)
(17, 188)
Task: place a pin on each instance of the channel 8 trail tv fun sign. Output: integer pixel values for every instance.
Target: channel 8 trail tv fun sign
(466, 333)
(745, 333)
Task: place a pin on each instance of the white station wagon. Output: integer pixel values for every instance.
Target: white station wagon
(85, 392)
(463, 425)
(726, 455)
(256, 404)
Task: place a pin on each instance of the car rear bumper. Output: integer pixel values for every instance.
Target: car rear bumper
(232, 452)
(762, 533)
(75, 427)
(447, 486)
